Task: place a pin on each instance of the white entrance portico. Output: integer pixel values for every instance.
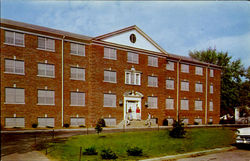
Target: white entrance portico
(132, 100)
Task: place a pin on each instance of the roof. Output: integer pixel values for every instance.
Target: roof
(42, 29)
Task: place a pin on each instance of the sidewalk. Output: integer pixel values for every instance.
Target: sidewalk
(30, 156)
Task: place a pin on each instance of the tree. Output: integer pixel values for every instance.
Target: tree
(245, 90)
(231, 76)
(178, 130)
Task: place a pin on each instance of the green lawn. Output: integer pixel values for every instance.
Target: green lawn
(153, 143)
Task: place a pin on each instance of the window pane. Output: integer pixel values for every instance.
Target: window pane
(19, 39)
(113, 76)
(169, 103)
(73, 73)
(170, 66)
(198, 105)
(106, 76)
(50, 44)
(109, 100)
(211, 106)
(41, 42)
(170, 84)
(41, 96)
(50, 97)
(41, 69)
(19, 96)
(184, 104)
(127, 75)
(9, 65)
(73, 48)
(81, 50)
(184, 68)
(50, 70)
(81, 74)
(10, 95)
(9, 37)
(19, 68)
(211, 73)
(73, 96)
(152, 102)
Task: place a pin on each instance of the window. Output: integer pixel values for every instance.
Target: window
(198, 105)
(152, 81)
(169, 103)
(184, 86)
(133, 78)
(110, 53)
(170, 84)
(198, 70)
(211, 106)
(199, 121)
(14, 66)
(46, 43)
(184, 68)
(211, 89)
(14, 122)
(109, 76)
(211, 73)
(184, 104)
(14, 96)
(210, 120)
(152, 102)
(77, 99)
(46, 97)
(46, 70)
(170, 65)
(77, 49)
(110, 121)
(77, 121)
(46, 122)
(77, 73)
(185, 121)
(152, 61)
(109, 100)
(14, 38)
(198, 87)
(170, 122)
(133, 58)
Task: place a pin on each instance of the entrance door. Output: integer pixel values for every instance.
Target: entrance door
(132, 105)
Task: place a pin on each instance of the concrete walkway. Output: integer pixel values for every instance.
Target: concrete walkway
(30, 156)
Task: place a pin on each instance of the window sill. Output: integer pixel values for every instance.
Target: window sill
(46, 104)
(45, 49)
(77, 55)
(14, 45)
(153, 66)
(170, 88)
(109, 82)
(198, 92)
(9, 103)
(14, 73)
(133, 84)
(199, 74)
(77, 105)
(170, 69)
(152, 108)
(169, 108)
(185, 90)
(132, 62)
(77, 79)
(109, 58)
(198, 109)
(184, 72)
(46, 76)
(152, 86)
(109, 106)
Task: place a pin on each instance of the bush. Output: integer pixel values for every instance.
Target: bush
(49, 126)
(90, 151)
(178, 130)
(196, 123)
(81, 126)
(66, 125)
(210, 122)
(98, 128)
(108, 154)
(134, 151)
(165, 122)
(101, 122)
(34, 125)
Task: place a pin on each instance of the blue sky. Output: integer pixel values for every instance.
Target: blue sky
(178, 27)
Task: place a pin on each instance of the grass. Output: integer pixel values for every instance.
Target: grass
(153, 143)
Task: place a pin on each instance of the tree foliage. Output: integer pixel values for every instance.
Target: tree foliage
(232, 72)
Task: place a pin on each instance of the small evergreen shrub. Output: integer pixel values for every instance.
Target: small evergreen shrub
(90, 151)
(210, 122)
(165, 122)
(34, 125)
(66, 125)
(98, 128)
(108, 154)
(49, 127)
(101, 122)
(196, 123)
(81, 126)
(178, 130)
(134, 151)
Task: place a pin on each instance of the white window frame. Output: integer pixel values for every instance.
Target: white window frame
(45, 120)
(152, 102)
(78, 72)
(46, 93)
(78, 121)
(184, 68)
(46, 44)
(14, 39)
(170, 84)
(184, 104)
(170, 66)
(110, 121)
(198, 105)
(211, 73)
(211, 106)
(211, 89)
(184, 86)
(169, 103)
(199, 87)
(108, 96)
(46, 66)
(108, 76)
(198, 70)
(133, 78)
(78, 95)
(17, 122)
(78, 49)
(152, 81)
(152, 61)
(134, 56)
(110, 53)
(15, 96)
(14, 68)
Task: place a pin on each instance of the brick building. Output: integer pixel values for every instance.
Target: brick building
(51, 77)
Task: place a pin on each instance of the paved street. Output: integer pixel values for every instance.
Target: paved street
(235, 155)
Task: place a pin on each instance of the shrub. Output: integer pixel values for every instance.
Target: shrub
(196, 123)
(90, 151)
(178, 130)
(34, 125)
(49, 126)
(165, 122)
(210, 122)
(108, 154)
(101, 122)
(66, 125)
(81, 126)
(134, 151)
(98, 128)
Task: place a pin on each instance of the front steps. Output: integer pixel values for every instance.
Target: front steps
(136, 123)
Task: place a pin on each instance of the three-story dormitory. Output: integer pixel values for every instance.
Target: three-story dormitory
(51, 78)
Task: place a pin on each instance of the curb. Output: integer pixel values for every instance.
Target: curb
(191, 154)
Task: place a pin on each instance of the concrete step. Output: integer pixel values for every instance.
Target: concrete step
(137, 123)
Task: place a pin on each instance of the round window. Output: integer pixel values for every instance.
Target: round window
(132, 38)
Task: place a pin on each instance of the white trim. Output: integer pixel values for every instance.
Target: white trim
(13, 44)
(13, 73)
(40, 104)
(130, 98)
(6, 103)
(45, 76)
